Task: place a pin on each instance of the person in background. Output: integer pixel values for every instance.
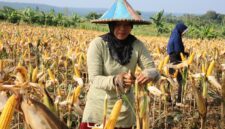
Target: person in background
(111, 60)
(175, 47)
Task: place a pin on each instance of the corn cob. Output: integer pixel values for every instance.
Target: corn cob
(166, 60)
(190, 59)
(110, 124)
(175, 74)
(51, 75)
(77, 72)
(76, 93)
(34, 75)
(160, 65)
(182, 56)
(7, 112)
(203, 68)
(1, 65)
(210, 68)
(158, 50)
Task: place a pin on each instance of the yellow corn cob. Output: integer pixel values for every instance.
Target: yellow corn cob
(7, 112)
(65, 63)
(76, 94)
(51, 75)
(182, 56)
(158, 50)
(77, 72)
(190, 59)
(175, 74)
(1, 45)
(110, 124)
(160, 65)
(204, 54)
(210, 68)
(34, 74)
(59, 93)
(166, 71)
(1, 65)
(166, 60)
(19, 64)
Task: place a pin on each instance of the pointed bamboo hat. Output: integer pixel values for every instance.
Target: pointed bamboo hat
(121, 10)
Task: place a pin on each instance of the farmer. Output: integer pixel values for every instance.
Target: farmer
(111, 60)
(174, 48)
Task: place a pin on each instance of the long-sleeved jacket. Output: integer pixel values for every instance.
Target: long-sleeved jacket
(101, 70)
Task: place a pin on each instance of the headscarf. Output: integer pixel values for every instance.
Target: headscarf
(175, 44)
(120, 50)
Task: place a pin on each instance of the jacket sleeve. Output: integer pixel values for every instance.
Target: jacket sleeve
(146, 63)
(95, 67)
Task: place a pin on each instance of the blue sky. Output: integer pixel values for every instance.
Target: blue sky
(170, 6)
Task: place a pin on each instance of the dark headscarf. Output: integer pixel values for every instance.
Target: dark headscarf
(175, 44)
(120, 50)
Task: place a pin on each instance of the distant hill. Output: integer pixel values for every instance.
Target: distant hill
(66, 11)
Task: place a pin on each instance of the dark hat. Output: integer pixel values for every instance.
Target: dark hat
(121, 11)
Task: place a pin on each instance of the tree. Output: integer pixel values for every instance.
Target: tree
(93, 15)
(158, 22)
(75, 18)
(29, 16)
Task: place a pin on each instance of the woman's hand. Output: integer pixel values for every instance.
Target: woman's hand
(143, 80)
(124, 79)
(129, 79)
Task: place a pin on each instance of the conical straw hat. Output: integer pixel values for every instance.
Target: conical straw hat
(121, 10)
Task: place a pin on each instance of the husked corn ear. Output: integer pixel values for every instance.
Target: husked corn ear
(160, 65)
(76, 71)
(7, 112)
(34, 74)
(1, 65)
(166, 60)
(210, 68)
(76, 93)
(158, 50)
(51, 75)
(110, 124)
(190, 59)
(182, 56)
(175, 74)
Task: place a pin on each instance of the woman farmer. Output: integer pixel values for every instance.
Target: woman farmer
(110, 57)
(174, 48)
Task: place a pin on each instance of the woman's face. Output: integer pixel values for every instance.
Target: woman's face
(122, 30)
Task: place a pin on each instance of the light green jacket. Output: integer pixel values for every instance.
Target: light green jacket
(101, 70)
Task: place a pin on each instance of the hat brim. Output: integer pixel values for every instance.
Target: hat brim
(106, 21)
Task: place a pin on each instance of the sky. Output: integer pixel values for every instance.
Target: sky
(169, 6)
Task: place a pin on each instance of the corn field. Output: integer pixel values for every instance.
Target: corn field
(44, 81)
